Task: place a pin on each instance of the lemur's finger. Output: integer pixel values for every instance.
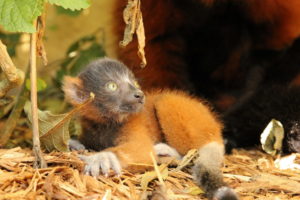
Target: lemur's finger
(75, 145)
(115, 164)
(163, 149)
(95, 169)
(103, 161)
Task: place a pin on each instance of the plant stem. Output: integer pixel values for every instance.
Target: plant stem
(39, 160)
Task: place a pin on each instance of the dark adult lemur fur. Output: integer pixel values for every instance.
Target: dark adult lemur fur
(224, 50)
(209, 46)
(125, 128)
(244, 125)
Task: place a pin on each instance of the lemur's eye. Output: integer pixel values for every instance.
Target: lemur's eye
(136, 84)
(111, 86)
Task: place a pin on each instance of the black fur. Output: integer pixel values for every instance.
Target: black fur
(99, 136)
(244, 125)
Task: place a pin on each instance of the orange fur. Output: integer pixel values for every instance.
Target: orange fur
(295, 82)
(283, 17)
(184, 122)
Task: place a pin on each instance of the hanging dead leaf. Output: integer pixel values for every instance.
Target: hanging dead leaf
(140, 32)
(41, 25)
(272, 137)
(54, 128)
(129, 17)
(133, 19)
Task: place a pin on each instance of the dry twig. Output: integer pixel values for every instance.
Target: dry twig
(14, 76)
(39, 160)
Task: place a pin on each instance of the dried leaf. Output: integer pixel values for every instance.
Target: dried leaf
(159, 193)
(129, 16)
(287, 162)
(140, 32)
(194, 190)
(272, 136)
(54, 129)
(151, 175)
(187, 158)
(41, 25)
(133, 19)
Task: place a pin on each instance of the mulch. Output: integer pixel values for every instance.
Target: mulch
(252, 173)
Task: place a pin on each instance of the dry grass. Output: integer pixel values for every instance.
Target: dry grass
(251, 173)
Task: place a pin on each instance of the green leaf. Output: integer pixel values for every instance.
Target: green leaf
(272, 137)
(72, 66)
(18, 15)
(71, 4)
(41, 84)
(54, 129)
(63, 11)
(11, 40)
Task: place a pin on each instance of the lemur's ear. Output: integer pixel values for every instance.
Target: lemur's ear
(73, 89)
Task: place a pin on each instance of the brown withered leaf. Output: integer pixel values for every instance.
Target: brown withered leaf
(40, 49)
(187, 159)
(133, 19)
(140, 32)
(129, 17)
(54, 128)
(151, 175)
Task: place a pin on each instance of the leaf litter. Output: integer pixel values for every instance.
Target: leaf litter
(251, 173)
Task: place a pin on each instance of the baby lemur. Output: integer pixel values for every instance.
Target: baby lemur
(125, 128)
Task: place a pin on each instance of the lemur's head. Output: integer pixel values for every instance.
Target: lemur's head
(117, 93)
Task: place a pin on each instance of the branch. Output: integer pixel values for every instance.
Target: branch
(14, 116)
(14, 76)
(39, 160)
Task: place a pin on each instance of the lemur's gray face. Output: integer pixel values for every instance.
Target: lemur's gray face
(115, 87)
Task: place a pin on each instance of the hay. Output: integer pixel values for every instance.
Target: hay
(252, 174)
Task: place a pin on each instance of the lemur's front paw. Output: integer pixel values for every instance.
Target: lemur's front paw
(101, 163)
(163, 149)
(75, 145)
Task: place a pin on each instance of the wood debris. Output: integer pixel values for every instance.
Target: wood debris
(251, 173)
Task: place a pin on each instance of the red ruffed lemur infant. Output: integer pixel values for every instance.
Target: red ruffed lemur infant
(125, 125)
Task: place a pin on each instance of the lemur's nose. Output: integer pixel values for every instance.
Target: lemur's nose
(139, 95)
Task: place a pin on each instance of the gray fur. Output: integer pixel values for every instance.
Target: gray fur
(163, 149)
(208, 174)
(123, 101)
(225, 193)
(76, 145)
(101, 162)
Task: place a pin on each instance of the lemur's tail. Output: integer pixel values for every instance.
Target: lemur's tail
(208, 174)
